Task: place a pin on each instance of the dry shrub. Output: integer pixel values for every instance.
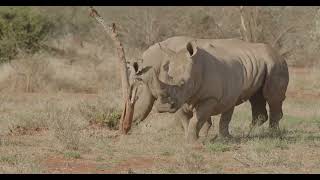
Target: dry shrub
(6, 76)
(15, 161)
(28, 123)
(82, 67)
(28, 73)
(190, 162)
(64, 125)
(71, 78)
(86, 72)
(100, 113)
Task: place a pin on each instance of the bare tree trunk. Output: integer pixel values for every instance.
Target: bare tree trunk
(127, 90)
(281, 35)
(244, 31)
(249, 27)
(255, 17)
(28, 82)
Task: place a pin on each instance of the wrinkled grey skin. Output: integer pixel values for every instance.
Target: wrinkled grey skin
(200, 78)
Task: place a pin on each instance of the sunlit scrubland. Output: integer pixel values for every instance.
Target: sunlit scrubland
(61, 99)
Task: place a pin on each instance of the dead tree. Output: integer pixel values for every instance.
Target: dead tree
(128, 91)
(249, 28)
(251, 31)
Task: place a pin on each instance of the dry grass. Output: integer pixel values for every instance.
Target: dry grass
(73, 133)
(70, 68)
(101, 113)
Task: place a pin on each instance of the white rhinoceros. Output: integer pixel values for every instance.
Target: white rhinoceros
(200, 78)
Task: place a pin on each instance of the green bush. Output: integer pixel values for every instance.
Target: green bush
(22, 29)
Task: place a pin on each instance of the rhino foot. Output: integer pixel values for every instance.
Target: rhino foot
(225, 135)
(198, 144)
(191, 139)
(221, 138)
(275, 131)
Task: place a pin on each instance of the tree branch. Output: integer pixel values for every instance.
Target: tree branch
(243, 25)
(127, 115)
(281, 35)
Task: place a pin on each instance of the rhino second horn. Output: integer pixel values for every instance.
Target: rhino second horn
(166, 50)
(159, 86)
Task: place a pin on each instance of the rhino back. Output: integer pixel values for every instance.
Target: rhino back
(235, 70)
(260, 66)
(253, 59)
(154, 57)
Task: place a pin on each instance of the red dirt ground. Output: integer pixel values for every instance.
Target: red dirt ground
(59, 164)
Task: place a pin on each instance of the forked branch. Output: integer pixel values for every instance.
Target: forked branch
(127, 90)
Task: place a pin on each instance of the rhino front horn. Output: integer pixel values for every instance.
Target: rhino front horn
(159, 86)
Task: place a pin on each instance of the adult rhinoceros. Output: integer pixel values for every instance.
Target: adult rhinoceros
(200, 78)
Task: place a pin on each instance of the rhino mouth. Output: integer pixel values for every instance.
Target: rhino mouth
(166, 107)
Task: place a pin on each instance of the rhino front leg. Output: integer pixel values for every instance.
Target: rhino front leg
(201, 114)
(143, 105)
(205, 128)
(184, 116)
(224, 123)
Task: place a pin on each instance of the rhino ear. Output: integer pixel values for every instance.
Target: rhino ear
(135, 66)
(192, 48)
(142, 75)
(144, 70)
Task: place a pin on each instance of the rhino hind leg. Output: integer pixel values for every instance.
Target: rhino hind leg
(258, 108)
(276, 114)
(224, 123)
(274, 91)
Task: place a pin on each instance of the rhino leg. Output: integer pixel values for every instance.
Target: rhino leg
(201, 114)
(275, 115)
(143, 105)
(224, 123)
(259, 111)
(275, 93)
(184, 116)
(205, 128)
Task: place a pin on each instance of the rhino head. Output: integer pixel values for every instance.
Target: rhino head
(175, 80)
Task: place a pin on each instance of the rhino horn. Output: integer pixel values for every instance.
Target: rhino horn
(159, 86)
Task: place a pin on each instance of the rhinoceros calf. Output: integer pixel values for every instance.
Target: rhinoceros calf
(200, 78)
